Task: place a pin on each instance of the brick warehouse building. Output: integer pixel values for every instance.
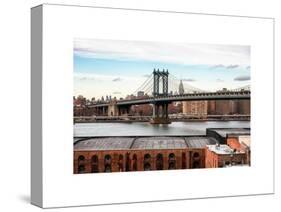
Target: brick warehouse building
(221, 155)
(118, 154)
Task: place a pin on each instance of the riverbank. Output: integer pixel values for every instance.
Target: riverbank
(172, 120)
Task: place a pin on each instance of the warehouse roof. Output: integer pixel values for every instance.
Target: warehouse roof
(156, 142)
(107, 143)
(199, 142)
(159, 143)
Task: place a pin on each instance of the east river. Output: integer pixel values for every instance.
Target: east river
(147, 129)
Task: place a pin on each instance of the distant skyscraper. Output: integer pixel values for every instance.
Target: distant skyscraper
(181, 88)
(140, 93)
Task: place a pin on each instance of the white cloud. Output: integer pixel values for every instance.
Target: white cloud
(180, 53)
(97, 85)
(242, 78)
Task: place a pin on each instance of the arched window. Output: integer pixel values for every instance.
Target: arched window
(128, 168)
(81, 169)
(81, 158)
(147, 167)
(196, 155)
(107, 163)
(147, 156)
(95, 159)
(95, 164)
(159, 162)
(107, 158)
(135, 162)
(172, 161)
(227, 163)
(183, 158)
(107, 168)
(195, 165)
(146, 162)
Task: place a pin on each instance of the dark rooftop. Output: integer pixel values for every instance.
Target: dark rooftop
(199, 142)
(233, 131)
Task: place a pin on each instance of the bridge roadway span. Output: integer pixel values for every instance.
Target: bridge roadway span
(229, 95)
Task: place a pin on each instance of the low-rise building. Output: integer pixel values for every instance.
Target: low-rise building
(222, 155)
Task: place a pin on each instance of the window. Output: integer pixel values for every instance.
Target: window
(81, 169)
(128, 161)
(95, 159)
(135, 160)
(81, 158)
(195, 165)
(107, 168)
(107, 163)
(147, 167)
(183, 158)
(147, 156)
(196, 155)
(172, 161)
(146, 162)
(172, 156)
(107, 158)
(159, 162)
(95, 164)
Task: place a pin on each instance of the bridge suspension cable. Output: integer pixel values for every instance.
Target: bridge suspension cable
(144, 84)
(173, 85)
(246, 88)
(188, 88)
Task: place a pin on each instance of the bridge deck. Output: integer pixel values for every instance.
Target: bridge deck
(184, 97)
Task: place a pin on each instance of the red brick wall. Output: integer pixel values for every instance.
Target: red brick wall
(184, 159)
(234, 143)
(214, 160)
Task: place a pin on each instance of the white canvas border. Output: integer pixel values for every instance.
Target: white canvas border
(62, 24)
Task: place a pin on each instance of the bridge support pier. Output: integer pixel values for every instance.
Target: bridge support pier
(160, 114)
(113, 109)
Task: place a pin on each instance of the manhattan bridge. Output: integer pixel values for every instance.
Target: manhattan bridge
(160, 88)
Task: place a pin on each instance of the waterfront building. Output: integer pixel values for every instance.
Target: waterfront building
(141, 110)
(244, 107)
(232, 148)
(241, 143)
(229, 107)
(222, 155)
(139, 153)
(197, 109)
(212, 107)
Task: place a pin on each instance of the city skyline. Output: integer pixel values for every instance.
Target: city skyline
(118, 68)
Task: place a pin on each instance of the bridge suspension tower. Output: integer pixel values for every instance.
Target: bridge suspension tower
(160, 109)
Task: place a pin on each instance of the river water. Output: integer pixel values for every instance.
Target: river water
(147, 129)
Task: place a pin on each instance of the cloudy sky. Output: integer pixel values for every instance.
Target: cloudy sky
(118, 68)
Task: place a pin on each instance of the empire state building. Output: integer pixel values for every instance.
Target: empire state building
(181, 88)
